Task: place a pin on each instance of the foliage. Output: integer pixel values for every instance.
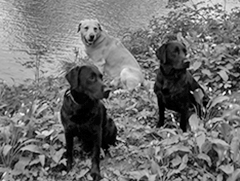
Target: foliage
(31, 135)
(212, 37)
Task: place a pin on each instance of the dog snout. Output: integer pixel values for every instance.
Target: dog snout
(186, 63)
(106, 92)
(91, 37)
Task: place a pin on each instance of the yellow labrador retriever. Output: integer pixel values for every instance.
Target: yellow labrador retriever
(109, 55)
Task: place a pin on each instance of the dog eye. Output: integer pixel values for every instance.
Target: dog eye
(86, 28)
(92, 78)
(185, 51)
(177, 50)
(95, 29)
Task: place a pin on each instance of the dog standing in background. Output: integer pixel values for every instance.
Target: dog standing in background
(110, 55)
(174, 84)
(84, 115)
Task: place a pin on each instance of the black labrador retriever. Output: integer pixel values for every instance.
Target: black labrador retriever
(84, 115)
(174, 84)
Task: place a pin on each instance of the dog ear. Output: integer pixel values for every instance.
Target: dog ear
(99, 26)
(72, 77)
(161, 53)
(79, 27)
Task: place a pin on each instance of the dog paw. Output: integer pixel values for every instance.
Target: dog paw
(96, 176)
(69, 166)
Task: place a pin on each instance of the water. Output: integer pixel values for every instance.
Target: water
(46, 30)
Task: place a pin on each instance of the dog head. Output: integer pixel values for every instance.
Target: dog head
(173, 54)
(90, 30)
(88, 80)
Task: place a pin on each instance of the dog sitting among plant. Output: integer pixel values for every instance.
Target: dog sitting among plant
(84, 115)
(174, 85)
(110, 55)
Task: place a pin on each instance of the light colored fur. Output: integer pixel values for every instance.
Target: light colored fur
(110, 55)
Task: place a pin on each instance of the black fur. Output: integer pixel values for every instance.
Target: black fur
(84, 115)
(174, 83)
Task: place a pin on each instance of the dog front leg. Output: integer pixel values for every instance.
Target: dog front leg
(184, 120)
(101, 64)
(69, 147)
(95, 170)
(161, 110)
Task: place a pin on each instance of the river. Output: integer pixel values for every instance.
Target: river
(46, 30)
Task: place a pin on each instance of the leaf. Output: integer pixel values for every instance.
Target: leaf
(194, 122)
(225, 130)
(22, 163)
(184, 163)
(82, 173)
(228, 169)
(176, 161)
(47, 133)
(6, 149)
(177, 148)
(138, 174)
(198, 95)
(32, 148)
(201, 138)
(41, 109)
(152, 177)
(235, 175)
(155, 168)
(206, 72)
(196, 65)
(235, 147)
(205, 157)
(218, 142)
(42, 159)
(58, 155)
(223, 75)
(217, 100)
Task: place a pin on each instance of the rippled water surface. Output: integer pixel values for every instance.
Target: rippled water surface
(47, 29)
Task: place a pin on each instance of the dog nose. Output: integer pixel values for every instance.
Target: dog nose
(106, 92)
(91, 37)
(186, 63)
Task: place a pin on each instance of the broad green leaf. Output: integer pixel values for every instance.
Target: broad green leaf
(138, 174)
(218, 142)
(228, 169)
(201, 138)
(82, 173)
(184, 163)
(155, 168)
(235, 175)
(196, 65)
(22, 163)
(206, 72)
(194, 122)
(217, 100)
(205, 157)
(42, 159)
(6, 149)
(176, 161)
(152, 177)
(32, 148)
(198, 95)
(235, 143)
(225, 130)
(177, 148)
(223, 75)
(58, 155)
(219, 177)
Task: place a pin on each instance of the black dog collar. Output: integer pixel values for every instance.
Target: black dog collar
(68, 93)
